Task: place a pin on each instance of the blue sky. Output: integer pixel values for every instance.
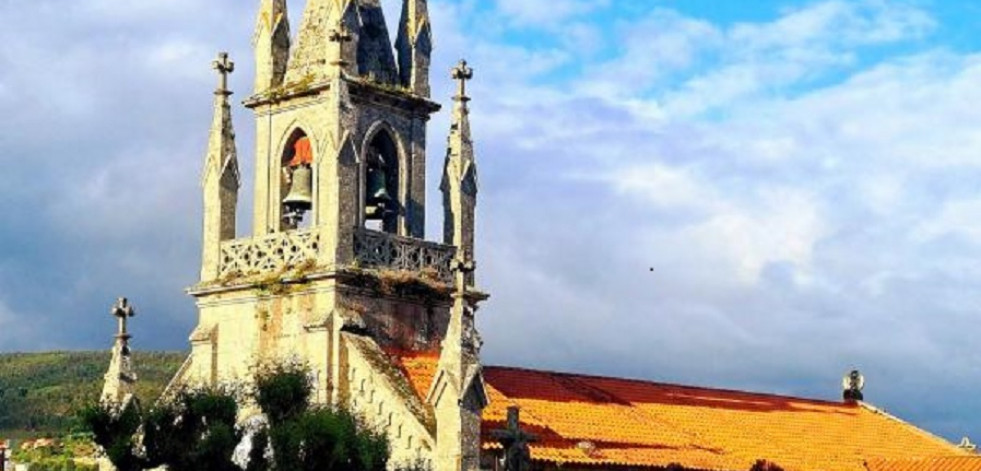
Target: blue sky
(803, 177)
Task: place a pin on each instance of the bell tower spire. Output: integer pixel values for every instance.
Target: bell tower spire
(458, 395)
(415, 46)
(460, 174)
(221, 179)
(272, 45)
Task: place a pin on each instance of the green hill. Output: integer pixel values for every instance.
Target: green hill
(40, 392)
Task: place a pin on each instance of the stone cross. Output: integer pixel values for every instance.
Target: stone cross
(122, 311)
(224, 66)
(462, 73)
(517, 455)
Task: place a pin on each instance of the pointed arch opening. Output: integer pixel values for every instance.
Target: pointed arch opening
(381, 177)
(296, 184)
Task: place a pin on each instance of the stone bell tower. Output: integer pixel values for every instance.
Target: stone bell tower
(336, 271)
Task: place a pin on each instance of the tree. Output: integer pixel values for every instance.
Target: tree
(197, 429)
(304, 437)
(113, 428)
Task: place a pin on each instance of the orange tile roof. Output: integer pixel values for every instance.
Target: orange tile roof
(638, 423)
(962, 463)
(419, 368)
(593, 421)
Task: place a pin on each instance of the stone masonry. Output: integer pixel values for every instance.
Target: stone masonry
(335, 291)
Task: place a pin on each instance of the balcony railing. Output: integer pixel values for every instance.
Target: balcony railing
(372, 250)
(379, 250)
(268, 253)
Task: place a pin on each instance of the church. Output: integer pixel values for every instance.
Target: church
(337, 272)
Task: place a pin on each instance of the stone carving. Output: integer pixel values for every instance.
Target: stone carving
(462, 73)
(224, 66)
(853, 383)
(119, 380)
(268, 253)
(374, 249)
(517, 454)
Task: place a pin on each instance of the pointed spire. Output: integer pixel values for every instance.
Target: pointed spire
(370, 52)
(221, 179)
(272, 44)
(311, 58)
(376, 60)
(463, 397)
(415, 46)
(460, 174)
(222, 155)
(120, 379)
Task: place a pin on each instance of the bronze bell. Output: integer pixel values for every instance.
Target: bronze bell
(300, 197)
(378, 200)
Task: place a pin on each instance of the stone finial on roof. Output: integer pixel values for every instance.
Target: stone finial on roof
(460, 181)
(462, 73)
(517, 454)
(121, 377)
(967, 445)
(224, 66)
(221, 178)
(853, 383)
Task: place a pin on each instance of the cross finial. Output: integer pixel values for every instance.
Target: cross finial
(462, 73)
(514, 440)
(224, 66)
(122, 311)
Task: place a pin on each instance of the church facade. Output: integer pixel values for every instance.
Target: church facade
(337, 272)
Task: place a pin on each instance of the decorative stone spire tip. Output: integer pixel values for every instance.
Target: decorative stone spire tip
(224, 66)
(462, 73)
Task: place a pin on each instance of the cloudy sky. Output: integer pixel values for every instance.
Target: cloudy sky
(745, 196)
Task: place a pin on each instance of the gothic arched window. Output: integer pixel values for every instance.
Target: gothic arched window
(381, 197)
(297, 180)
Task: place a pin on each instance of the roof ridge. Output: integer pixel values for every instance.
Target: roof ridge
(677, 385)
(879, 411)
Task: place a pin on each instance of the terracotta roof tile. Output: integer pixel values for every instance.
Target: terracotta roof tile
(640, 423)
(597, 421)
(962, 463)
(418, 367)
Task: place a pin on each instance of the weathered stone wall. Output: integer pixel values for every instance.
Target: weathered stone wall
(243, 327)
(376, 391)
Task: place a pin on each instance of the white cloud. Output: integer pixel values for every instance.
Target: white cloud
(719, 66)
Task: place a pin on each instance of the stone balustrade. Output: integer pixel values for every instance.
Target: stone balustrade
(269, 253)
(379, 250)
(373, 250)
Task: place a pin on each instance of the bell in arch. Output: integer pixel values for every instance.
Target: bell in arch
(299, 200)
(300, 196)
(378, 199)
